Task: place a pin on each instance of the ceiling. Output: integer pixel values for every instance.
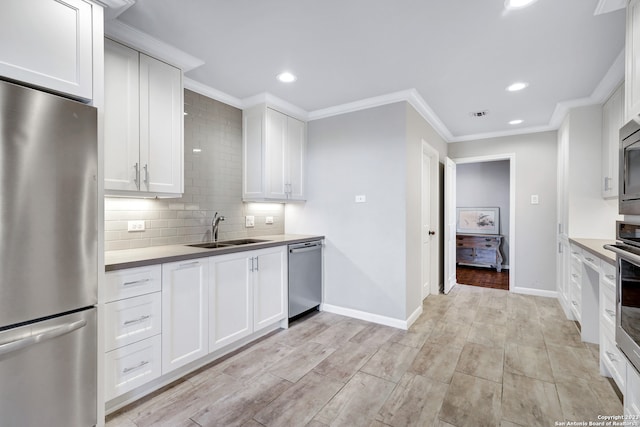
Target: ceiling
(458, 55)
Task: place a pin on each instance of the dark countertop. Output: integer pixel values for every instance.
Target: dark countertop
(130, 258)
(595, 246)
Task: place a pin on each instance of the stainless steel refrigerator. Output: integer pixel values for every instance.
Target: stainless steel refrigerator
(48, 259)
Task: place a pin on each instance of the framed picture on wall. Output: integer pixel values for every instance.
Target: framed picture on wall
(478, 220)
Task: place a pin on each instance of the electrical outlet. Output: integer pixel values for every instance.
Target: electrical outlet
(269, 220)
(135, 225)
(535, 199)
(249, 221)
(361, 198)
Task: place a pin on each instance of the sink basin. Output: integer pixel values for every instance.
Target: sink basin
(210, 245)
(242, 242)
(226, 243)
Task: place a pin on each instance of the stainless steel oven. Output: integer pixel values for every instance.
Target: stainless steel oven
(628, 290)
(629, 191)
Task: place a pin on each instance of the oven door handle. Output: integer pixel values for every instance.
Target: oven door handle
(23, 343)
(624, 254)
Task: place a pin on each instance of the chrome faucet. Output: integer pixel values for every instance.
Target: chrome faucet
(214, 226)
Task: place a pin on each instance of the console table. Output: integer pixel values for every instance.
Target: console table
(481, 250)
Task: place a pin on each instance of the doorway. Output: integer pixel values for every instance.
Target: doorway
(430, 219)
(488, 182)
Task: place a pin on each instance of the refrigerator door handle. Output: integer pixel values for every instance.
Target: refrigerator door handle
(23, 343)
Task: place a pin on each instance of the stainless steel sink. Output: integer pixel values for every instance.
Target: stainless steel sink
(226, 243)
(210, 245)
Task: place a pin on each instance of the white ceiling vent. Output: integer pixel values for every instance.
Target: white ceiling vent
(479, 113)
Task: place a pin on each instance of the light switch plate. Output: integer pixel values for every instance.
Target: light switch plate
(534, 199)
(249, 221)
(269, 220)
(361, 198)
(135, 225)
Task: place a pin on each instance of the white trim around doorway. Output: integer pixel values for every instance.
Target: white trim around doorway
(512, 207)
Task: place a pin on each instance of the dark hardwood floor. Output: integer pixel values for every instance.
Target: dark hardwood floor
(482, 276)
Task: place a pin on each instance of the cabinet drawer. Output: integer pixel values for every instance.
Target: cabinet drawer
(132, 366)
(464, 255)
(132, 319)
(608, 312)
(591, 260)
(608, 273)
(613, 360)
(133, 282)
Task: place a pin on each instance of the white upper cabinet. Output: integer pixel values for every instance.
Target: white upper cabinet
(274, 156)
(56, 45)
(612, 121)
(143, 124)
(121, 116)
(632, 61)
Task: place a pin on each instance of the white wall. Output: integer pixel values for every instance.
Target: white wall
(486, 184)
(535, 228)
(358, 153)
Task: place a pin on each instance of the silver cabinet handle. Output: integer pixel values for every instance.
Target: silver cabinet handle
(251, 268)
(146, 174)
(574, 275)
(136, 282)
(610, 277)
(611, 356)
(45, 336)
(610, 312)
(137, 177)
(589, 259)
(187, 264)
(574, 303)
(138, 320)
(133, 368)
(257, 264)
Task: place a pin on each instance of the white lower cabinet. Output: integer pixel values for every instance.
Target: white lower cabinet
(132, 319)
(247, 293)
(132, 366)
(184, 313)
(270, 287)
(230, 299)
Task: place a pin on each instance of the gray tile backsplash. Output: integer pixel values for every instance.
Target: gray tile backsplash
(213, 183)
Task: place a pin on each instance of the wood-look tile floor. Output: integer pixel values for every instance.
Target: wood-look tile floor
(475, 357)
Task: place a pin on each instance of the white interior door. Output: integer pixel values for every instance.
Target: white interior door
(426, 232)
(449, 226)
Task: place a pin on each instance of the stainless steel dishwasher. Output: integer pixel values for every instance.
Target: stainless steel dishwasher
(305, 277)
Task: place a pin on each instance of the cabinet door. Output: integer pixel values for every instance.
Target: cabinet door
(55, 50)
(184, 313)
(612, 121)
(275, 153)
(632, 61)
(121, 117)
(296, 158)
(253, 127)
(270, 287)
(230, 299)
(161, 122)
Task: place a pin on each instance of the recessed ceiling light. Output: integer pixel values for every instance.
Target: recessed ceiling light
(480, 113)
(286, 77)
(518, 4)
(517, 86)
(516, 122)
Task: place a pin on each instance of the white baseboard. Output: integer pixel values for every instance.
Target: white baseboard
(374, 318)
(535, 292)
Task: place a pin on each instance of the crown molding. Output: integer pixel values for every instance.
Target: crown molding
(142, 41)
(606, 6)
(212, 93)
(278, 104)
